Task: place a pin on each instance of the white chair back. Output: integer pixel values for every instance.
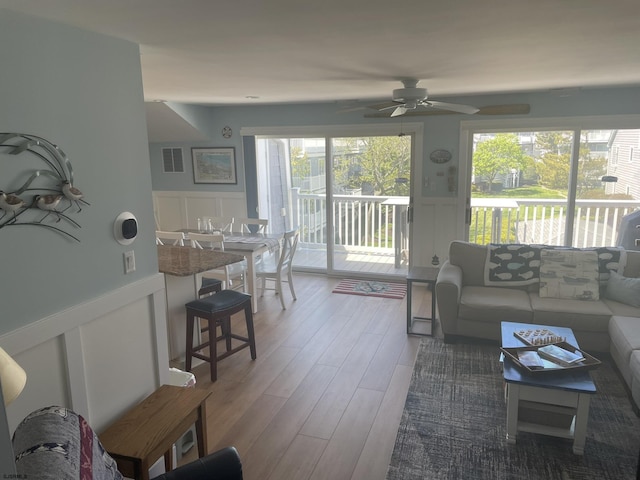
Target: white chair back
(228, 273)
(289, 246)
(250, 225)
(213, 241)
(169, 238)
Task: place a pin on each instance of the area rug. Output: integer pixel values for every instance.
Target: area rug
(371, 288)
(454, 421)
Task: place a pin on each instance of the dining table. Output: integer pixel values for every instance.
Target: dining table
(183, 268)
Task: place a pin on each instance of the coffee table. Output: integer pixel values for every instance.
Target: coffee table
(549, 403)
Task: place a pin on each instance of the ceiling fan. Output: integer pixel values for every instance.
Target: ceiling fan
(413, 98)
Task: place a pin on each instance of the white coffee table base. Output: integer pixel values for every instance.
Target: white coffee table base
(552, 401)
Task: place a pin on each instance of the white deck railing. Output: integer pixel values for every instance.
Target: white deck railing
(527, 220)
(363, 221)
(379, 223)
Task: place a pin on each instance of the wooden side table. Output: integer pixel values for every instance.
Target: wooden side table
(149, 430)
(421, 325)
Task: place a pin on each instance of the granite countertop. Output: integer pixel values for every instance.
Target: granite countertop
(185, 261)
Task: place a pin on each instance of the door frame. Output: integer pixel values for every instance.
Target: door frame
(415, 129)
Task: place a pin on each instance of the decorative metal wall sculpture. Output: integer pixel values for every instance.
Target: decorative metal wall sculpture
(50, 199)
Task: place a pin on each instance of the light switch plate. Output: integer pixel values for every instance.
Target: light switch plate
(129, 262)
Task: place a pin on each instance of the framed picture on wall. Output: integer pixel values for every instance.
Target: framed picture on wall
(214, 165)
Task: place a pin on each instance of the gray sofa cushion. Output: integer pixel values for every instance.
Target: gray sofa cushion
(494, 304)
(621, 309)
(624, 333)
(576, 314)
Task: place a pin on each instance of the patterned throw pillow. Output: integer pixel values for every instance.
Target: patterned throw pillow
(610, 259)
(512, 265)
(569, 274)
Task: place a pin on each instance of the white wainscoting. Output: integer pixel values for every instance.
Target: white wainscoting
(177, 210)
(98, 358)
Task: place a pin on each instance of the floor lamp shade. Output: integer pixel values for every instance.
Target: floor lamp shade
(12, 377)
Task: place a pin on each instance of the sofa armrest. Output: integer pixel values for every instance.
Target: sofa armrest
(221, 465)
(448, 291)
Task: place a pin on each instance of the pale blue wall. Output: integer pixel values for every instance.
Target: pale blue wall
(82, 91)
(439, 131)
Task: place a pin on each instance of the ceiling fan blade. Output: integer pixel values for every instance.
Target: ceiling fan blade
(401, 110)
(507, 109)
(452, 107)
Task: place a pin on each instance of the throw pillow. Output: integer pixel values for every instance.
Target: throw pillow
(610, 259)
(56, 443)
(569, 274)
(512, 265)
(623, 289)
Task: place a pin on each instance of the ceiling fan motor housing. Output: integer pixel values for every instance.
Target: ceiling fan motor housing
(409, 94)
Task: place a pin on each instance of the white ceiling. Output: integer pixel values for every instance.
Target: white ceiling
(289, 51)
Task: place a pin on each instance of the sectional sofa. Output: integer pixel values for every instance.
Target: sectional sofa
(594, 291)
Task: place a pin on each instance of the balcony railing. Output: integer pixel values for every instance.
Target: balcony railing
(364, 221)
(527, 220)
(376, 223)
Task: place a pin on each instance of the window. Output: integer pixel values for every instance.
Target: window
(172, 160)
(546, 185)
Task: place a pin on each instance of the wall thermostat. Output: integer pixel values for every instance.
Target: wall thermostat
(125, 228)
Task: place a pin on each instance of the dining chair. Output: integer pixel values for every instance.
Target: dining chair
(169, 238)
(234, 275)
(281, 271)
(250, 225)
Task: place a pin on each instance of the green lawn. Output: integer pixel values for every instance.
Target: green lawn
(532, 191)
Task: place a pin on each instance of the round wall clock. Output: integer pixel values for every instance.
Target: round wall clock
(440, 156)
(227, 132)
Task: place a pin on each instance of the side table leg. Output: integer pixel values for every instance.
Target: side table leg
(168, 460)
(580, 427)
(513, 399)
(409, 288)
(201, 431)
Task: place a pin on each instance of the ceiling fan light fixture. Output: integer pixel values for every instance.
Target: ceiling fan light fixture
(409, 94)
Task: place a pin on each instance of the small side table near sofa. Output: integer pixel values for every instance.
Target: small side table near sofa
(421, 325)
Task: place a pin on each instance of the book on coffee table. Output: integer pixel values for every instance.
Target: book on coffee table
(561, 356)
(530, 359)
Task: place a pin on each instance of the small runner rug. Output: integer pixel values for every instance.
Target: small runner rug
(371, 288)
(454, 421)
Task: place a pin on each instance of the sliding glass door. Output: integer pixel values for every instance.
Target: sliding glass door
(370, 198)
(349, 197)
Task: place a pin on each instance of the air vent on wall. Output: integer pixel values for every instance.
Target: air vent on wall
(172, 160)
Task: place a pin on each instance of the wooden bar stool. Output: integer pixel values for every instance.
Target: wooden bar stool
(217, 310)
(209, 286)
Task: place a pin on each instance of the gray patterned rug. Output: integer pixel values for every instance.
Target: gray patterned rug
(454, 421)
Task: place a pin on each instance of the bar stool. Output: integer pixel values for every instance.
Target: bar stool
(209, 286)
(217, 310)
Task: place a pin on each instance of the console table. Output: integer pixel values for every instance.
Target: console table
(421, 325)
(148, 431)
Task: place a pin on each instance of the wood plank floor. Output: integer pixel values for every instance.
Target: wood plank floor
(324, 398)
